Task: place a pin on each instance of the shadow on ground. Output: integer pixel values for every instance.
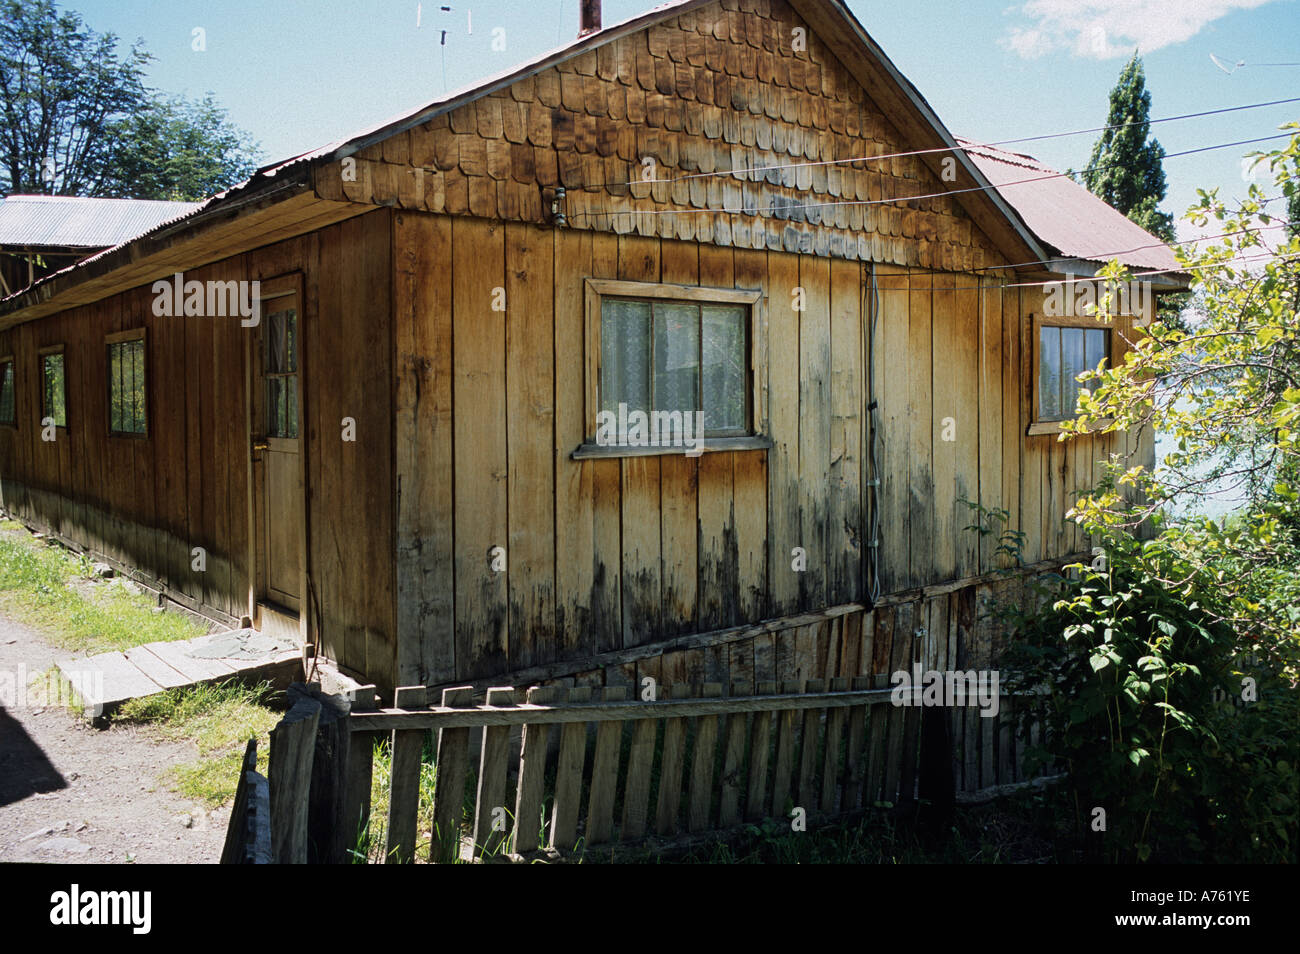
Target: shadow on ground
(24, 768)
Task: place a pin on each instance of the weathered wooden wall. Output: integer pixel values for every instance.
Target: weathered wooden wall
(146, 502)
(490, 407)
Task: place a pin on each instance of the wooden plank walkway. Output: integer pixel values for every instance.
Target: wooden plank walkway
(106, 681)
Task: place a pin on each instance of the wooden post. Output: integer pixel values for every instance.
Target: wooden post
(293, 747)
(248, 835)
(328, 838)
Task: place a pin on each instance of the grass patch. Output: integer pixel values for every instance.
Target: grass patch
(219, 718)
(57, 593)
(53, 689)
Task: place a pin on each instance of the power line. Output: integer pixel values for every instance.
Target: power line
(972, 146)
(586, 213)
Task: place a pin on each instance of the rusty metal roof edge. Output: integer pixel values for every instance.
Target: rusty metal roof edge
(230, 200)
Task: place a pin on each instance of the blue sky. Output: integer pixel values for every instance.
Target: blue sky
(300, 73)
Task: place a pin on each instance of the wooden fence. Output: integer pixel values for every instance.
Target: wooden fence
(563, 768)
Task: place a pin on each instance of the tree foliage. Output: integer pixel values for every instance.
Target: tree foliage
(78, 118)
(1126, 167)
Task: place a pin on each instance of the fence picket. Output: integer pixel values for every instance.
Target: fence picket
(404, 781)
(491, 826)
(881, 715)
(568, 777)
(733, 757)
(760, 747)
(604, 773)
(831, 761)
(360, 772)
(532, 775)
(806, 793)
(706, 742)
(640, 762)
(855, 749)
(1006, 750)
(670, 769)
(784, 765)
(449, 792)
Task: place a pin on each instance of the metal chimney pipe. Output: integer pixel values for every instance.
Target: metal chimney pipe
(588, 17)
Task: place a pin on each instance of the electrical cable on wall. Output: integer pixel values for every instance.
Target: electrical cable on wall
(872, 547)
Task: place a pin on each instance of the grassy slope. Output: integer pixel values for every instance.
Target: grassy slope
(56, 593)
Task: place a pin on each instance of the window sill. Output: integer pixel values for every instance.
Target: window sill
(1040, 428)
(709, 445)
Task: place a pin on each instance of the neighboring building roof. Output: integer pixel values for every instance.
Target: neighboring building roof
(60, 221)
(1066, 216)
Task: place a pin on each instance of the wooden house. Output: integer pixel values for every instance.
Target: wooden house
(732, 207)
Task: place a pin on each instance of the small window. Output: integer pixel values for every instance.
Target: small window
(127, 393)
(677, 357)
(670, 366)
(7, 411)
(1063, 354)
(54, 390)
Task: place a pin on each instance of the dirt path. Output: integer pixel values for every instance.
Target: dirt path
(71, 793)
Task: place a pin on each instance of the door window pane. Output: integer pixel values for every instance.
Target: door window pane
(281, 373)
(54, 393)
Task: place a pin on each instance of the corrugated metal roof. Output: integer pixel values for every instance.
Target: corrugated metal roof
(1065, 215)
(71, 221)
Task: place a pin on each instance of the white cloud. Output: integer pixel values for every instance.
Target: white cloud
(1101, 29)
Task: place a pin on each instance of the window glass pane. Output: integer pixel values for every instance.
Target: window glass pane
(676, 357)
(136, 349)
(1072, 358)
(275, 362)
(723, 360)
(54, 390)
(1049, 374)
(7, 393)
(291, 406)
(625, 355)
(291, 340)
(1096, 347)
(116, 392)
(274, 407)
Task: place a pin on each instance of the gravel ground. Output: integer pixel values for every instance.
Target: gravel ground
(72, 793)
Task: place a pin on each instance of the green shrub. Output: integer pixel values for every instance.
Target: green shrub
(1141, 674)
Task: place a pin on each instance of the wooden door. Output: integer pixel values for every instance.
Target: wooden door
(279, 514)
